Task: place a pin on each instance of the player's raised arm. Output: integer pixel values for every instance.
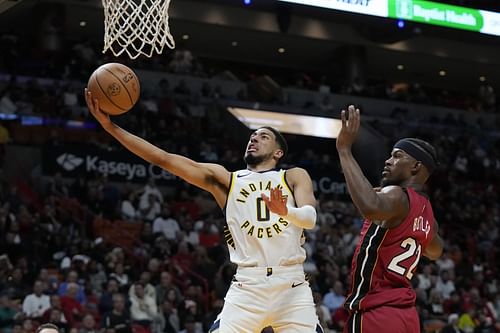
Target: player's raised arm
(213, 178)
(390, 203)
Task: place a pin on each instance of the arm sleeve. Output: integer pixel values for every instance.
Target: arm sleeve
(303, 217)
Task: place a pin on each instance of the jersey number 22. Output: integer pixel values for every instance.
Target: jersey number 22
(410, 245)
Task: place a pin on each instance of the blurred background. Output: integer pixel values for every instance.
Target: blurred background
(96, 240)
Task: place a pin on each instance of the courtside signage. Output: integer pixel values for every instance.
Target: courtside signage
(427, 12)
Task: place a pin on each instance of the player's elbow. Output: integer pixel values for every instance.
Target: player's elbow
(433, 254)
(435, 249)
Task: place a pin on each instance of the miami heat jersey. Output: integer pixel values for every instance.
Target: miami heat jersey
(385, 259)
(256, 236)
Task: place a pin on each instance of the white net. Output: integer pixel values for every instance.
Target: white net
(136, 27)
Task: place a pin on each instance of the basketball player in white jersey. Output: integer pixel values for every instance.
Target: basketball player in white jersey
(266, 211)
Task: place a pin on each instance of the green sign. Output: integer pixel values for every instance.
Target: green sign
(437, 14)
(421, 11)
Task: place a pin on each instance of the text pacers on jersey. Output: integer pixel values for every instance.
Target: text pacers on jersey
(261, 232)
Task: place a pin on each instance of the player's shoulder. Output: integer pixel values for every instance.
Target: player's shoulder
(296, 171)
(296, 174)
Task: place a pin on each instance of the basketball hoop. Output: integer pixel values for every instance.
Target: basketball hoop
(136, 27)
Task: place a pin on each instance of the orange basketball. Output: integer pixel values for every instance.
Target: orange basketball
(116, 87)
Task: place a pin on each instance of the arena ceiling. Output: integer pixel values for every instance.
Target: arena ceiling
(313, 38)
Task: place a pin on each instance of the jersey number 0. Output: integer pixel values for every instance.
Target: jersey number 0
(263, 213)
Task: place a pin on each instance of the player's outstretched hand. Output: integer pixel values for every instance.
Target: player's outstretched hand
(350, 128)
(93, 105)
(276, 203)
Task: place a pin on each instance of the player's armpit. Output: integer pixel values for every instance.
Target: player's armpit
(435, 247)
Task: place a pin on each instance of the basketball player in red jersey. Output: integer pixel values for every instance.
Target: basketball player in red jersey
(399, 228)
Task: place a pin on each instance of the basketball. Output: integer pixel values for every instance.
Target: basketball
(116, 87)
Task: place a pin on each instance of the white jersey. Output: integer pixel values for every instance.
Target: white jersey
(257, 237)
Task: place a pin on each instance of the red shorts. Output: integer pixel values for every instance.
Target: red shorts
(386, 319)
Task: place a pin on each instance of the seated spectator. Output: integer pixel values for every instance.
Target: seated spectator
(88, 324)
(444, 285)
(72, 277)
(452, 326)
(169, 318)
(143, 309)
(190, 326)
(118, 319)
(166, 224)
(166, 284)
(72, 308)
(8, 313)
(128, 210)
(57, 318)
(467, 321)
(335, 297)
(120, 276)
(35, 304)
(55, 304)
(106, 300)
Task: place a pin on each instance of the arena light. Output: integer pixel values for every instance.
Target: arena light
(320, 127)
(421, 11)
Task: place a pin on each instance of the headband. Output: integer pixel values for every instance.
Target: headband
(418, 152)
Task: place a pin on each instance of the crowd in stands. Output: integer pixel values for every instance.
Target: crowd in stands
(57, 266)
(168, 270)
(72, 66)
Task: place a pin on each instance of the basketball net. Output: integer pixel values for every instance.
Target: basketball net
(136, 27)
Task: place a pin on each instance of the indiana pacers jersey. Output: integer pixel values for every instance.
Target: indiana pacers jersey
(256, 236)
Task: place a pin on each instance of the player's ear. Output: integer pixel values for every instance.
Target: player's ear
(416, 167)
(278, 153)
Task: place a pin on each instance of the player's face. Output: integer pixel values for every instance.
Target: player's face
(397, 168)
(261, 147)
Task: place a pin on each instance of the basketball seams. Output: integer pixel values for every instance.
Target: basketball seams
(123, 84)
(104, 93)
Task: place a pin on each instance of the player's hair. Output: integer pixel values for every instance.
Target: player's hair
(47, 326)
(280, 139)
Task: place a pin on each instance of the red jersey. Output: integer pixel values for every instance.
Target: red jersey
(385, 259)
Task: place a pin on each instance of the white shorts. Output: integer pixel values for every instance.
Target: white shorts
(268, 296)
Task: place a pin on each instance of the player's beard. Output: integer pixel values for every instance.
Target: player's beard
(254, 160)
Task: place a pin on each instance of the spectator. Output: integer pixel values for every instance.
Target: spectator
(8, 313)
(72, 308)
(128, 210)
(444, 285)
(467, 320)
(169, 318)
(166, 284)
(35, 304)
(190, 326)
(452, 326)
(118, 319)
(166, 225)
(143, 309)
(335, 297)
(88, 324)
(72, 278)
(106, 300)
(120, 276)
